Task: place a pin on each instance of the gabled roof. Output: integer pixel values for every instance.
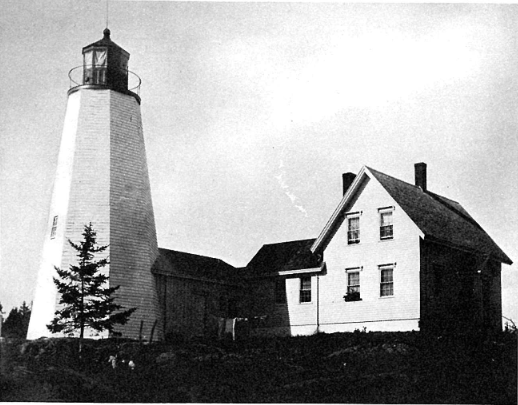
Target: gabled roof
(437, 217)
(285, 256)
(187, 265)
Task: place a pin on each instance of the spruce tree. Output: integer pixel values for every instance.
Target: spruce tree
(16, 324)
(12, 324)
(25, 315)
(86, 298)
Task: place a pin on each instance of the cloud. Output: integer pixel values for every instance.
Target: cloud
(371, 70)
(293, 198)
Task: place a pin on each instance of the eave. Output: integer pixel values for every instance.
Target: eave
(337, 217)
(292, 272)
(201, 279)
(491, 256)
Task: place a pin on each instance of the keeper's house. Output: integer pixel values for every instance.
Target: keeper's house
(393, 257)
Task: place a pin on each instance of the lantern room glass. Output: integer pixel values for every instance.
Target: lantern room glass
(95, 64)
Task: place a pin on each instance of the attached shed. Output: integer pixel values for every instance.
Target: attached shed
(194, 291)
(283, 279)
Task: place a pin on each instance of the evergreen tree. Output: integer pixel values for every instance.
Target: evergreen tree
(17, 322)
(12, 323)
(86, 299)
(25, 317)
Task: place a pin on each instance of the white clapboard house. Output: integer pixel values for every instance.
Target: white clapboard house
(393, 256)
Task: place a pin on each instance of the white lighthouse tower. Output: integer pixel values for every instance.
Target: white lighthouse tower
(102, 178)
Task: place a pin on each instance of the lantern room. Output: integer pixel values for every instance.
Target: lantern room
(105, 65)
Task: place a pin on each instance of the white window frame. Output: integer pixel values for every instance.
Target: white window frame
(304, 290)
(382, 268)
(353, 236)
(353, 270)
(382, 212)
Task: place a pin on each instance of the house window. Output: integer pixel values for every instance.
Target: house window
(386, 281)
(386, 227)
(353, 230)
(54, 227)
(305, 289)
(353, 285)
(280, 291)
(353, 282)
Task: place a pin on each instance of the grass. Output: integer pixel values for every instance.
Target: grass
(323, 368)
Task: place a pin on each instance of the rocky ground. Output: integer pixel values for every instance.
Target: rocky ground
(325, 368)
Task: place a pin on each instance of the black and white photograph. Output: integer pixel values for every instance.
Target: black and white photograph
(258, 202)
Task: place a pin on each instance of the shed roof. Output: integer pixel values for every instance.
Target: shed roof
(187, 265)
(275, 257)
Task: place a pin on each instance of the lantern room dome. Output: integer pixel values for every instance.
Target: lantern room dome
(105, 66)
(105, 41)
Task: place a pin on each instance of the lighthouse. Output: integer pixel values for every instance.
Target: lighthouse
(102, 178)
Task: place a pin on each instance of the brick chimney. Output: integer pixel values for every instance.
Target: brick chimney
(420, 175)
(347, 180)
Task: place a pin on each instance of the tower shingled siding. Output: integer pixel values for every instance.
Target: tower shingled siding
(45, 292)
(89, 192)
(102, 178)
(133, 244)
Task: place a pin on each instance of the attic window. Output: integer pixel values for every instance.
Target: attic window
(353, 229)
(386, 224)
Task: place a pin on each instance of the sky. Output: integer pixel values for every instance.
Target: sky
(252, 111)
